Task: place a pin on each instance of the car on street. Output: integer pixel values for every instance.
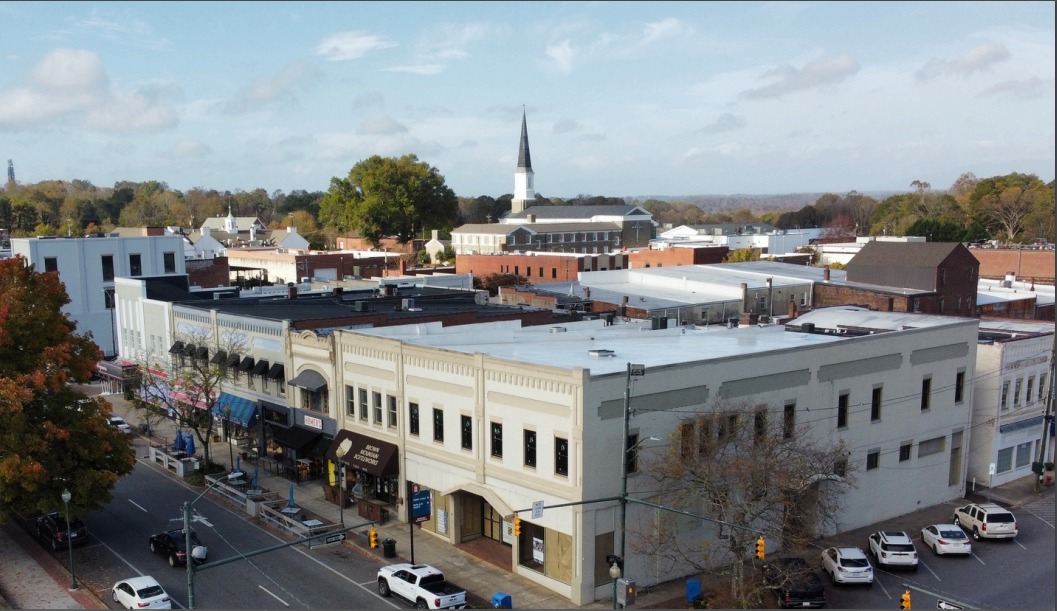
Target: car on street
(986, 521)
(945, 539)
(847, 565)
(119, 423)
(893, 548)
(794, 584)
(52, 529)
(143, 592)
(172, 544)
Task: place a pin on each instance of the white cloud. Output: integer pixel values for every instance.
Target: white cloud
(186, 149)
(421, 69)
(562, 55)
(296, 76)
(978, 59)
(345, 46)
(1027, 89)
(661, 30)
(71, 85)
(724, 123)
(823, 71)
(381, 125)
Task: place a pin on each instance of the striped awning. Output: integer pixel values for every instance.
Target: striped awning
(242, 410)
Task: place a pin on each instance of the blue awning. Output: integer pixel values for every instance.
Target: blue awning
(242, 410)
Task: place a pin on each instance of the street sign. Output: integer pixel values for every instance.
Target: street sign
(942, 604)
(636, 369)
(335, 538)
(537, 510)
(991, 469)
(421, 508)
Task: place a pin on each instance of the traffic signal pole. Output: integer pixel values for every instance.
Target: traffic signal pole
(943, 601)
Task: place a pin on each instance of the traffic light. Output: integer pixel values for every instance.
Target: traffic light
(760, 548)
(372, 536)
(904, 601)
(517, 526)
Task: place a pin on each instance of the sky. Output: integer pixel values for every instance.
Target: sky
(622, 99)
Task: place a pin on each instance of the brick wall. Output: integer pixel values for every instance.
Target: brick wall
(1028, 265)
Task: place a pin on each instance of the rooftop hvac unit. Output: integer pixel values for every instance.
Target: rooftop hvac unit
(808, 327)
(359, 306)
(407, 304)
(764, 319)
(601, 352)
(557, 329)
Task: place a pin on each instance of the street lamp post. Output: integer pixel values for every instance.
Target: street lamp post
(69, 541)
(189, 554)
(614, 572)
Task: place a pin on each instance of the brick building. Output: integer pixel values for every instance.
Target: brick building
(1025, 264)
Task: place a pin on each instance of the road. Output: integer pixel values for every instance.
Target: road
(1015, 574)
(147, 501)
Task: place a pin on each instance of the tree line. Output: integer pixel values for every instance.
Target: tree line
(406, 198)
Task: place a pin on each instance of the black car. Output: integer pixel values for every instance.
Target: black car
(51, 528)
(794, 583)
(172, 545)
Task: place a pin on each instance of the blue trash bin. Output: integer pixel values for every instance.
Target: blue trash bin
(693, 591)
(501, 601)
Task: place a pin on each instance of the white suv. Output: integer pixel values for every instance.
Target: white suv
(893, 548)
(986, 521)
(847, 565)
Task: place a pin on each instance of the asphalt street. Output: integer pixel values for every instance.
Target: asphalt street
(147, 502)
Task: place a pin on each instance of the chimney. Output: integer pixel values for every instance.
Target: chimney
(291, 290)
(587, 292)
(825, 274)
(403, 267)
(792, 307)
(436, 234)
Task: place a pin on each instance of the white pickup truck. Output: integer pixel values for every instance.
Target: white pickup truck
(421, 584)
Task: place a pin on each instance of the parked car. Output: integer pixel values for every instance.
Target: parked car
(142, 592)
(172, 544)
(847, 565)
(986, 521)
(119, 423)
(794, 583)
(893, 548)
(51, 528)
(946, 539)
(420, 584)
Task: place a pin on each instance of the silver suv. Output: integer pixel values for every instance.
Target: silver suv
(893, 548)
(986, 521)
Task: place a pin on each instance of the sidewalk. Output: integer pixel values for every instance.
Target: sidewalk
(32, 578)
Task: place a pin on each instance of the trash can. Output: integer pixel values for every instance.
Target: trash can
(501, 601)
(389, 548)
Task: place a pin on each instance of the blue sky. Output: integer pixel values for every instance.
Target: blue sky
(622, 98)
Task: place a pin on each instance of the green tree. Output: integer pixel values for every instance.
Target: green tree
(51, 437)
(386, 196)
(742, 255)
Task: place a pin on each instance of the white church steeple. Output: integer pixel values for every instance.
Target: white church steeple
(524, 192)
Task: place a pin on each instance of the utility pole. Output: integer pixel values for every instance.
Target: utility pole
(1048, 418)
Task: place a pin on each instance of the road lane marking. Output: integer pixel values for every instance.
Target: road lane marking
(1020, 544)
(283, 602)
(133, 567)
(138, 505)
(930, 570)
(978, 559)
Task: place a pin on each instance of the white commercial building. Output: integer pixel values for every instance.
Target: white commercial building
(88, 267)
(492, 418)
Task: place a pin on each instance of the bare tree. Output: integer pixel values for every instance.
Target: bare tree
(186, 383)
(752, 470)
(1009, 208)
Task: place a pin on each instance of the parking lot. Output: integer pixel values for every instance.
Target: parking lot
(1015, 573)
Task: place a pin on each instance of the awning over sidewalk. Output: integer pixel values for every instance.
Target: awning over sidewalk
(312, 381)
(295, 437)
(375, 457)
(242, 412)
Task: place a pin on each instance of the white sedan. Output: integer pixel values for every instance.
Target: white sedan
(946, 539)
(119, 423)
(141, 593)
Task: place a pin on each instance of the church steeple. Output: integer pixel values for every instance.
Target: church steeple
(524, 193)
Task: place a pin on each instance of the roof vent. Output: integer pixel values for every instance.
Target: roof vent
(557, 329)
(601, 353)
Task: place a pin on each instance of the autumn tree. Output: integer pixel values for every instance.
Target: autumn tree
(742, 255)
(385, 196)
(750, 469)
(186, 382)
(51, 437)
